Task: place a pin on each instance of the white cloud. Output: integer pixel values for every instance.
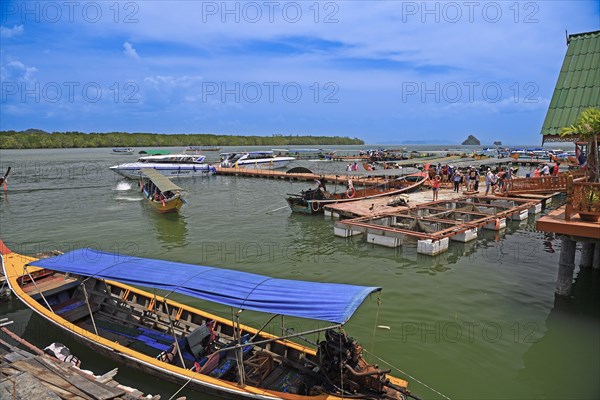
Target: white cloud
(16, 30)
(172, 81)
(130, 51)
(16, 71)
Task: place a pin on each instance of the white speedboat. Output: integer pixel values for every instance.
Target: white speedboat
(255, 160)
(122, 150)
(171, 165)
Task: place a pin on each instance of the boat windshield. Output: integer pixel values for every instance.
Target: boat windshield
(172, 159)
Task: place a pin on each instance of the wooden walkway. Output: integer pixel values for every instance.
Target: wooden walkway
(383, 205)
(36, 375)
(357, 180)
(555, 222)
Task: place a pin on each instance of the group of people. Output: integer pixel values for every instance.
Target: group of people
(352, 167)
(495, 182)
(546, 170)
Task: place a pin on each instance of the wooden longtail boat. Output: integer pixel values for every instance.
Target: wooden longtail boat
(87, 294)
(162, 194)
(313, 201)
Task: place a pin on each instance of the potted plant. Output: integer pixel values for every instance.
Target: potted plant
(587, 128)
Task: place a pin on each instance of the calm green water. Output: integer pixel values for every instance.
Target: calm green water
(478, 322)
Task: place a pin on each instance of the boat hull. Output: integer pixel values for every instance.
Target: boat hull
(171, 205)
(315, 206)
(13, 266)
(277, 164)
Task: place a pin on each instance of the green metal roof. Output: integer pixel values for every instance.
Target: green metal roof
(155, 152)
(578, 85)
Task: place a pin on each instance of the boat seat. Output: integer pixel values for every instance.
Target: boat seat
(228, 362)
(193, 347)
(74, 309)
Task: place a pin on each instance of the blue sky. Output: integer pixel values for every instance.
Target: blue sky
(383, 71)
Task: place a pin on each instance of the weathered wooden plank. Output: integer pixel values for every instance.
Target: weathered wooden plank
(107, 376)
(97, 391)
(26, 387)
(14, 356)
(45, 375)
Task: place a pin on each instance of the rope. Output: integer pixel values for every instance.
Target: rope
(375, 328)
(277, 209)
(410, 376)
(341, 368)
(184, 385)
(266, 208)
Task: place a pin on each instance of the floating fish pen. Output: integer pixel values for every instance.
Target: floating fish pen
(434, 224)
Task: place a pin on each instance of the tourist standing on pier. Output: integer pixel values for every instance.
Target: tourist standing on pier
(500, 177)
(472, 178)
(545, 170)
(489, 178)
(537, 173)
(435, 186)
(456, 179)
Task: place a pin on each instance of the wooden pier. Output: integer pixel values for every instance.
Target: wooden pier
(357, 179)
(574, 221)
(35, 375)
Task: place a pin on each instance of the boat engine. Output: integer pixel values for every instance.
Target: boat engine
(341, 359)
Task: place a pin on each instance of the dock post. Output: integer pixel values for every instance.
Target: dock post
(587, 254)
(566, 265)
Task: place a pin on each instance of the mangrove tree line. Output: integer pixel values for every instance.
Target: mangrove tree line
(38, 139)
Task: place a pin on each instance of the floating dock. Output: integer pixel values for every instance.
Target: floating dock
(385, 205)
(434, 224)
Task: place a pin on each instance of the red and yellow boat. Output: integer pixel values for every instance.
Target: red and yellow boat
(89, 295)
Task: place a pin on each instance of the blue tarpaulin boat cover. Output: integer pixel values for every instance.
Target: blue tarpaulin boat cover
(331, 302)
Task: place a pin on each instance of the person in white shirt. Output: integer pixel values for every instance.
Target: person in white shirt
(489, 179)
(545, 170)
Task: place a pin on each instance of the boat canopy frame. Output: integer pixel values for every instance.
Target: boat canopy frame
(163, 183)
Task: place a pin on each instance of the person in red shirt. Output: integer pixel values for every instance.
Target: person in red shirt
(435, 186)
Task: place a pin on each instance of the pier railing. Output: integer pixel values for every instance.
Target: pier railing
(542, 184)
(582, 197)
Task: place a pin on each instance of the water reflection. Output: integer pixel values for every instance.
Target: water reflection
(170, 229)
(564, 362)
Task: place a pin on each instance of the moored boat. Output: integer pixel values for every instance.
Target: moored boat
(313, 201)
(87, 294)
(122, 150)
(162, 194)
(254, 159)
(200, 149)
(171, 165)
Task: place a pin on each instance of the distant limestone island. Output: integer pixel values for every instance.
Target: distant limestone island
(471, 141)
(39, 139)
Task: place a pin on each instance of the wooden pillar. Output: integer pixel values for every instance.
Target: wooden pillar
(596, 261)
(566, 265)
(587, 255)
